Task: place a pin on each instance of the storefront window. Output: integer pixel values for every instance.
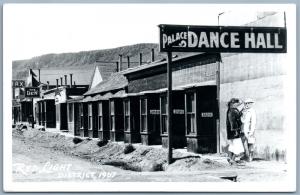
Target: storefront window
(143, 114)
(100, 115)
(127, 115)
(191, 113)
(90, 117)
(112, 115)
(164, 114)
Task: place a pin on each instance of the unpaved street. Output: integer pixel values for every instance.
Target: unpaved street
(36, 161)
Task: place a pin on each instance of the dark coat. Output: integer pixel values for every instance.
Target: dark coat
(233, 123)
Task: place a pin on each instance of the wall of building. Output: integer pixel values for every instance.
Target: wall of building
(194, 70)
(260, 77)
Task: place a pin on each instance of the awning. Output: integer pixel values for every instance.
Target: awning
(75, 99)
(191, 85)
(102, 97)
(87, 99)
(119, 94)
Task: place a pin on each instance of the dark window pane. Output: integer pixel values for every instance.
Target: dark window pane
(164, 105)
(70, 112)
(127, 123)
(126, 105)
(143, 106)
(144, 122)
(164, 123)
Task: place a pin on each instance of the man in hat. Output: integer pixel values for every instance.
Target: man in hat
(248, 128)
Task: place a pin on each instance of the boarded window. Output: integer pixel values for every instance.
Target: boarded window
(191, 113)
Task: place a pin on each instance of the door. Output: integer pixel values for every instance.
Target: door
(207, 115)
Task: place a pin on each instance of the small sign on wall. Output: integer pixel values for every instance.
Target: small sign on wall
(207, 114)
(178, 111)
(155, 112)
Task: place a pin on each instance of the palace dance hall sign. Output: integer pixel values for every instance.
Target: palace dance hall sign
(184, 38)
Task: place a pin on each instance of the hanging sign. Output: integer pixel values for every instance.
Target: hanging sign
(18, 83)
(237, 39)
(32, 92)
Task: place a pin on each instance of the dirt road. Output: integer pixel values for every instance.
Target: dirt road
(34, 161)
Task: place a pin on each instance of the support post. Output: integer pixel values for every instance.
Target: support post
(32, 117)
(218, 101)
(170, 108)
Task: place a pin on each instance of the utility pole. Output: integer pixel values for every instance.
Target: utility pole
(170, 107)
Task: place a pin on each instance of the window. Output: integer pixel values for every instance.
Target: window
(191, 113)
(143, 114)
(100, 117)
(81, 115)
(70, 112)
(164, 114)
(112, 115)
(127, 115)
(90, 117)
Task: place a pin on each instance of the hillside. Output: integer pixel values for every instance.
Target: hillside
(85, 59)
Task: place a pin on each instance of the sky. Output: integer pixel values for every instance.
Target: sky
(36, 29)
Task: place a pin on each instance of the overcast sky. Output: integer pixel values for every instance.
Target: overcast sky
(56, 28)
(35, 29)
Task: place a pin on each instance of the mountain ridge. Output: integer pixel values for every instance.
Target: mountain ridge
(85, 59)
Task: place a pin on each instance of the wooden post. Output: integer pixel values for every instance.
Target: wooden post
(170, 107)
(32, 117)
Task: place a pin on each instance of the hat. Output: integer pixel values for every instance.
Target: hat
(249, 100)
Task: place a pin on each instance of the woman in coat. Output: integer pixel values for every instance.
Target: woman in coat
(234, 127)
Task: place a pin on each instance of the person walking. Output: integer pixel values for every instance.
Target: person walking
(233, 126)
(248, 119)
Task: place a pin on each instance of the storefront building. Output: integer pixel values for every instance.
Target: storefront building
(195, 107)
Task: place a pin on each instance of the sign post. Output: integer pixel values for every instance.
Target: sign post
(170, 107)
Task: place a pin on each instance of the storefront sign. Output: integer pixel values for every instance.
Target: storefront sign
(32, 92)
(155, 112)
(18, 83)
(237, 39)
(207, 114)
(178, 111)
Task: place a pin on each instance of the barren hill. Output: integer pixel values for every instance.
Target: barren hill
(85, 60)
